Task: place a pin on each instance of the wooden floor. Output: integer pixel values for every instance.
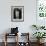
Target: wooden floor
(13, 44)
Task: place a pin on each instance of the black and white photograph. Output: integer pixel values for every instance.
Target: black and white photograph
(17, 13)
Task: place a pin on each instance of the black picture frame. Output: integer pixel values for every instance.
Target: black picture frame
(17, 13)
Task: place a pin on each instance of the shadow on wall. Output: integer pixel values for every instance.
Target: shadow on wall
(32, 30)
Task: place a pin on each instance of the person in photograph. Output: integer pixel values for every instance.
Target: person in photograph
(17, 13)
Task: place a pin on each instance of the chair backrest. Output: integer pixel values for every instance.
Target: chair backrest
(14, 30)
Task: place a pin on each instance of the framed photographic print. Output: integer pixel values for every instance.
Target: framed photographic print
(41, 8)
(41, 12)
(17, 13)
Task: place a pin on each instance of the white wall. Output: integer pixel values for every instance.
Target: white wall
(29, 15)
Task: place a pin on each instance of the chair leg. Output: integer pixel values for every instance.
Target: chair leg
(5, 40)
(5, 43)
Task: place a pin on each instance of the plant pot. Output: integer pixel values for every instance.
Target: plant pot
(40, 41)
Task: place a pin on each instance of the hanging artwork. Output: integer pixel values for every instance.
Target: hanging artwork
(17, 13)
(41, 8)
(41, 12)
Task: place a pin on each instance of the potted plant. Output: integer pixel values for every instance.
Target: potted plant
(39, 35)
